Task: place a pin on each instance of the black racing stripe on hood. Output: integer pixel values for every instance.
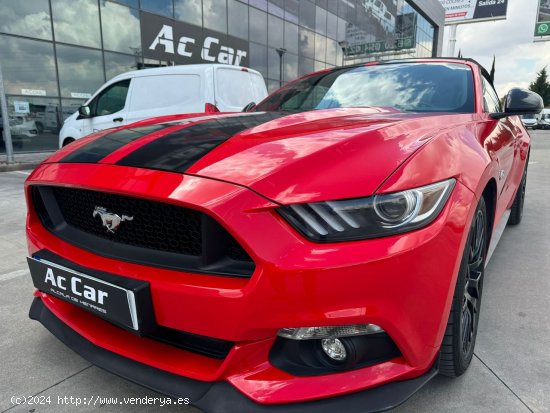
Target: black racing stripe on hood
(101, 147)
(177, 151)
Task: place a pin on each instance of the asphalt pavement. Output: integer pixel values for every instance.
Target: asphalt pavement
(509, 373)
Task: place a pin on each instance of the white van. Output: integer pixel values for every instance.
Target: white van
(148, 93)
(544, 121)
(529, 121)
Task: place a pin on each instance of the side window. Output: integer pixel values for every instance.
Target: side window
(491, 101)
(170, 91)
(111, 100)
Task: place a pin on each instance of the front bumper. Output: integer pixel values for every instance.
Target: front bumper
(404, 284)
(220, 397)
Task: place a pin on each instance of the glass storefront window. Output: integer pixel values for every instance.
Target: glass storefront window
(28, 66)
(76, 22)
(273, 64)
(305, 65)
(162, 7)
(34, 123)
(80, 71)
(258, 58)
(307, 14)
(341, 30)
(291, 37)
(275, 32)
(339, 56)
(116, 63)
(131, 3)
(272, 85)
(332, 26)
(320, 20)
(120, 28)
(346, 9)
(237, 16)
(215, 15)
(258, 24)
(70, 106)
(290, 67)
(277, 8)
(29, 18)
(259, 4)
(320, 47)
(189, 11)
(332, 51)
(292, 11)
(307, 43)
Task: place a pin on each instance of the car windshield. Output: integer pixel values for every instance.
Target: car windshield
(414, 87)
(528, 116)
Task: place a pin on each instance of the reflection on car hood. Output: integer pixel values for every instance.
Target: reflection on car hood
(323, 154)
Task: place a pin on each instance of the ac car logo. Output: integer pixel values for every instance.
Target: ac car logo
(165, 39)
(209, 52)
(75, 286)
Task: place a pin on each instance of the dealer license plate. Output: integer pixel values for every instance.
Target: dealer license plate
(110, 301)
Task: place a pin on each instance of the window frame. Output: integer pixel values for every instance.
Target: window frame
(487, 87)
(93, 103)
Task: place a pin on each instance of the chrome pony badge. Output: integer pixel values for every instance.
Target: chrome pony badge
(109, 220)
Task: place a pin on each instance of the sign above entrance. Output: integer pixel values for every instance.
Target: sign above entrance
(471, 11)
(182, 43)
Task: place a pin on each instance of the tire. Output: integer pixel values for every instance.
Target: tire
(67, 141)
(39, 128)
(517, 207)
(457, 348)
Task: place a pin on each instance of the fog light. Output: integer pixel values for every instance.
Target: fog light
(334, 348)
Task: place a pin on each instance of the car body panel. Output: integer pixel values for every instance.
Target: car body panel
(193, 302)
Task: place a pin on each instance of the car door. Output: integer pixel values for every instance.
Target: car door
(503, 144)
(108, 108)
(167, 94)
(233, 88)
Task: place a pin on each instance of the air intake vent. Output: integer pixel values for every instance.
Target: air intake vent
(141, 231)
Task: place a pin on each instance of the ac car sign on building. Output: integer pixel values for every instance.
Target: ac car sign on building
(183, 43)
(470, 11)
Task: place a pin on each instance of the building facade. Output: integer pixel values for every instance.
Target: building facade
(56, 53)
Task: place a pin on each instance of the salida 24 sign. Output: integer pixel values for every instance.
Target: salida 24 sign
(469, 11)
(166, 39)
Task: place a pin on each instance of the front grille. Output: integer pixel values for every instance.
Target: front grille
(154, 225)
(150, 232)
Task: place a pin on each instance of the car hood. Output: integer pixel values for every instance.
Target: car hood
(288, 158)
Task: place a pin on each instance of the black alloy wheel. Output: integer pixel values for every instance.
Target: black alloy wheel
(471, 300)
(458, 344)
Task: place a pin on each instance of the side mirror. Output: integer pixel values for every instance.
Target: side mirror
(84, 111)
(520, 102)
(249, 108)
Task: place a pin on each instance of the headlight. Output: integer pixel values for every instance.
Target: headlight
(372, 217)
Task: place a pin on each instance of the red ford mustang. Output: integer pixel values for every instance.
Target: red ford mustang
(324, 251)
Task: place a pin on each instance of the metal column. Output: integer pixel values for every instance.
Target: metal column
(5, 120)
